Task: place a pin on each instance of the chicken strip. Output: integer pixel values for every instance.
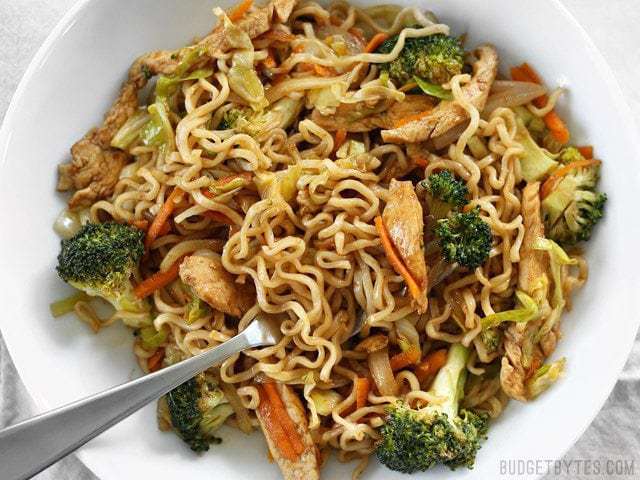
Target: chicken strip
(361, 117)
(306, 467)
(216, 286)
(402, 217)
(523, 356)
(449, 114)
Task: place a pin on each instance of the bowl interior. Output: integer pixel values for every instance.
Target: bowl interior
(69, 86)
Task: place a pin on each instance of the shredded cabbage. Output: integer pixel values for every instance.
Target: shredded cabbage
(67, 305)
(281, 184)
(325, 401)
(544, 377)
(528, 311)
(152, 338)
(130, 130)
(158, 130)
(167, 86)
(432, 89)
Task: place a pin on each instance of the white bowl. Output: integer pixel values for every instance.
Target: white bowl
(72, 81)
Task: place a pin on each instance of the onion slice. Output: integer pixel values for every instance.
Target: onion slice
(512, 94)
(381, 372)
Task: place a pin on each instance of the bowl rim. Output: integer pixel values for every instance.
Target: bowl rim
(629, 125)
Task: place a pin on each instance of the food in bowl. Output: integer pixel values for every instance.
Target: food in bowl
(411, 218)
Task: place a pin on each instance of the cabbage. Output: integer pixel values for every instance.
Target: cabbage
(130, 130)
(152, 338)
(544, 377)
(280, 115)
(527, 312)
(281, 184)
(433, 89)
(167, 86)
(557, 259)
(158, 131)
(326, 99)
(325, 401)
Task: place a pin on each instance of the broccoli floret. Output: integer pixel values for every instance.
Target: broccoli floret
(444, 193)
(230, 118)
(415, 440)
(435, 58)
(570, 155)
(491, 339)
(100, 259)
(574, 206)
(197, 409)
(535, 163)
(464, 238)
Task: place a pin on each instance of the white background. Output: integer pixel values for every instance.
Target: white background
(614, 25)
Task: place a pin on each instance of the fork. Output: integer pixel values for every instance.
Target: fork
(29, 447)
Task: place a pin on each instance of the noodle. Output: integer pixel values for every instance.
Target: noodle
(314, 256)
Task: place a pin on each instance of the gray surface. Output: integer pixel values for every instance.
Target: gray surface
(611, 442)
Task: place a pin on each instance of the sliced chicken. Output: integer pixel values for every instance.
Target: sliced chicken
(360, 117)
(306, 466)
(522, 355)
(449, 114)
(402, 217)
(213, 284)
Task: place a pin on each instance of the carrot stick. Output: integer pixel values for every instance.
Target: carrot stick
(406, 358)
(283, 417)
(375, 42)
(163, 215)
(157, 280)
(559, 130)
(557, 127)
(431, 364)
(269, 416)
(394, 259)
(270, 61)
(363, 385)
(586, 151)
(140, 224)
(341, 137)
(551, 182)
(421, 161)
(154, 361)
(411, 118)
(239, 10)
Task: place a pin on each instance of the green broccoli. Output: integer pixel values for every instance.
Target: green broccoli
(230, 118)
(570, 155)
(435, 58)
(574, 206)
(444, 193)
(491, 338)
(464, 238)
(415, 440)
(100, 259)
(197, 409)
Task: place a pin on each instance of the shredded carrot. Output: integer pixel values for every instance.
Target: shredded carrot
(411, 118)
(431, 364)
(163, 215)
(157, 280)
(323, 71)
(239, 10)
(154, 361)
(273, 427)
(270, 61)
(341, 137)
(557, 127)
(335, 21)
(248, 176)
(524, 73)
(375, 42)
(218, 217)
(551, 182)
(396, 262)
(140, 224)
(403, 359)
(421, 161)
(283, 417)
(363, 386)
(298, 48)
(586, 151)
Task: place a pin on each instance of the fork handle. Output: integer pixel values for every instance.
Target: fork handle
(31, 446)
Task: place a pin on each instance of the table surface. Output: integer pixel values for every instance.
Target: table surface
(613, 438)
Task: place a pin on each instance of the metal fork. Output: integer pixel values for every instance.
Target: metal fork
(31, 446)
